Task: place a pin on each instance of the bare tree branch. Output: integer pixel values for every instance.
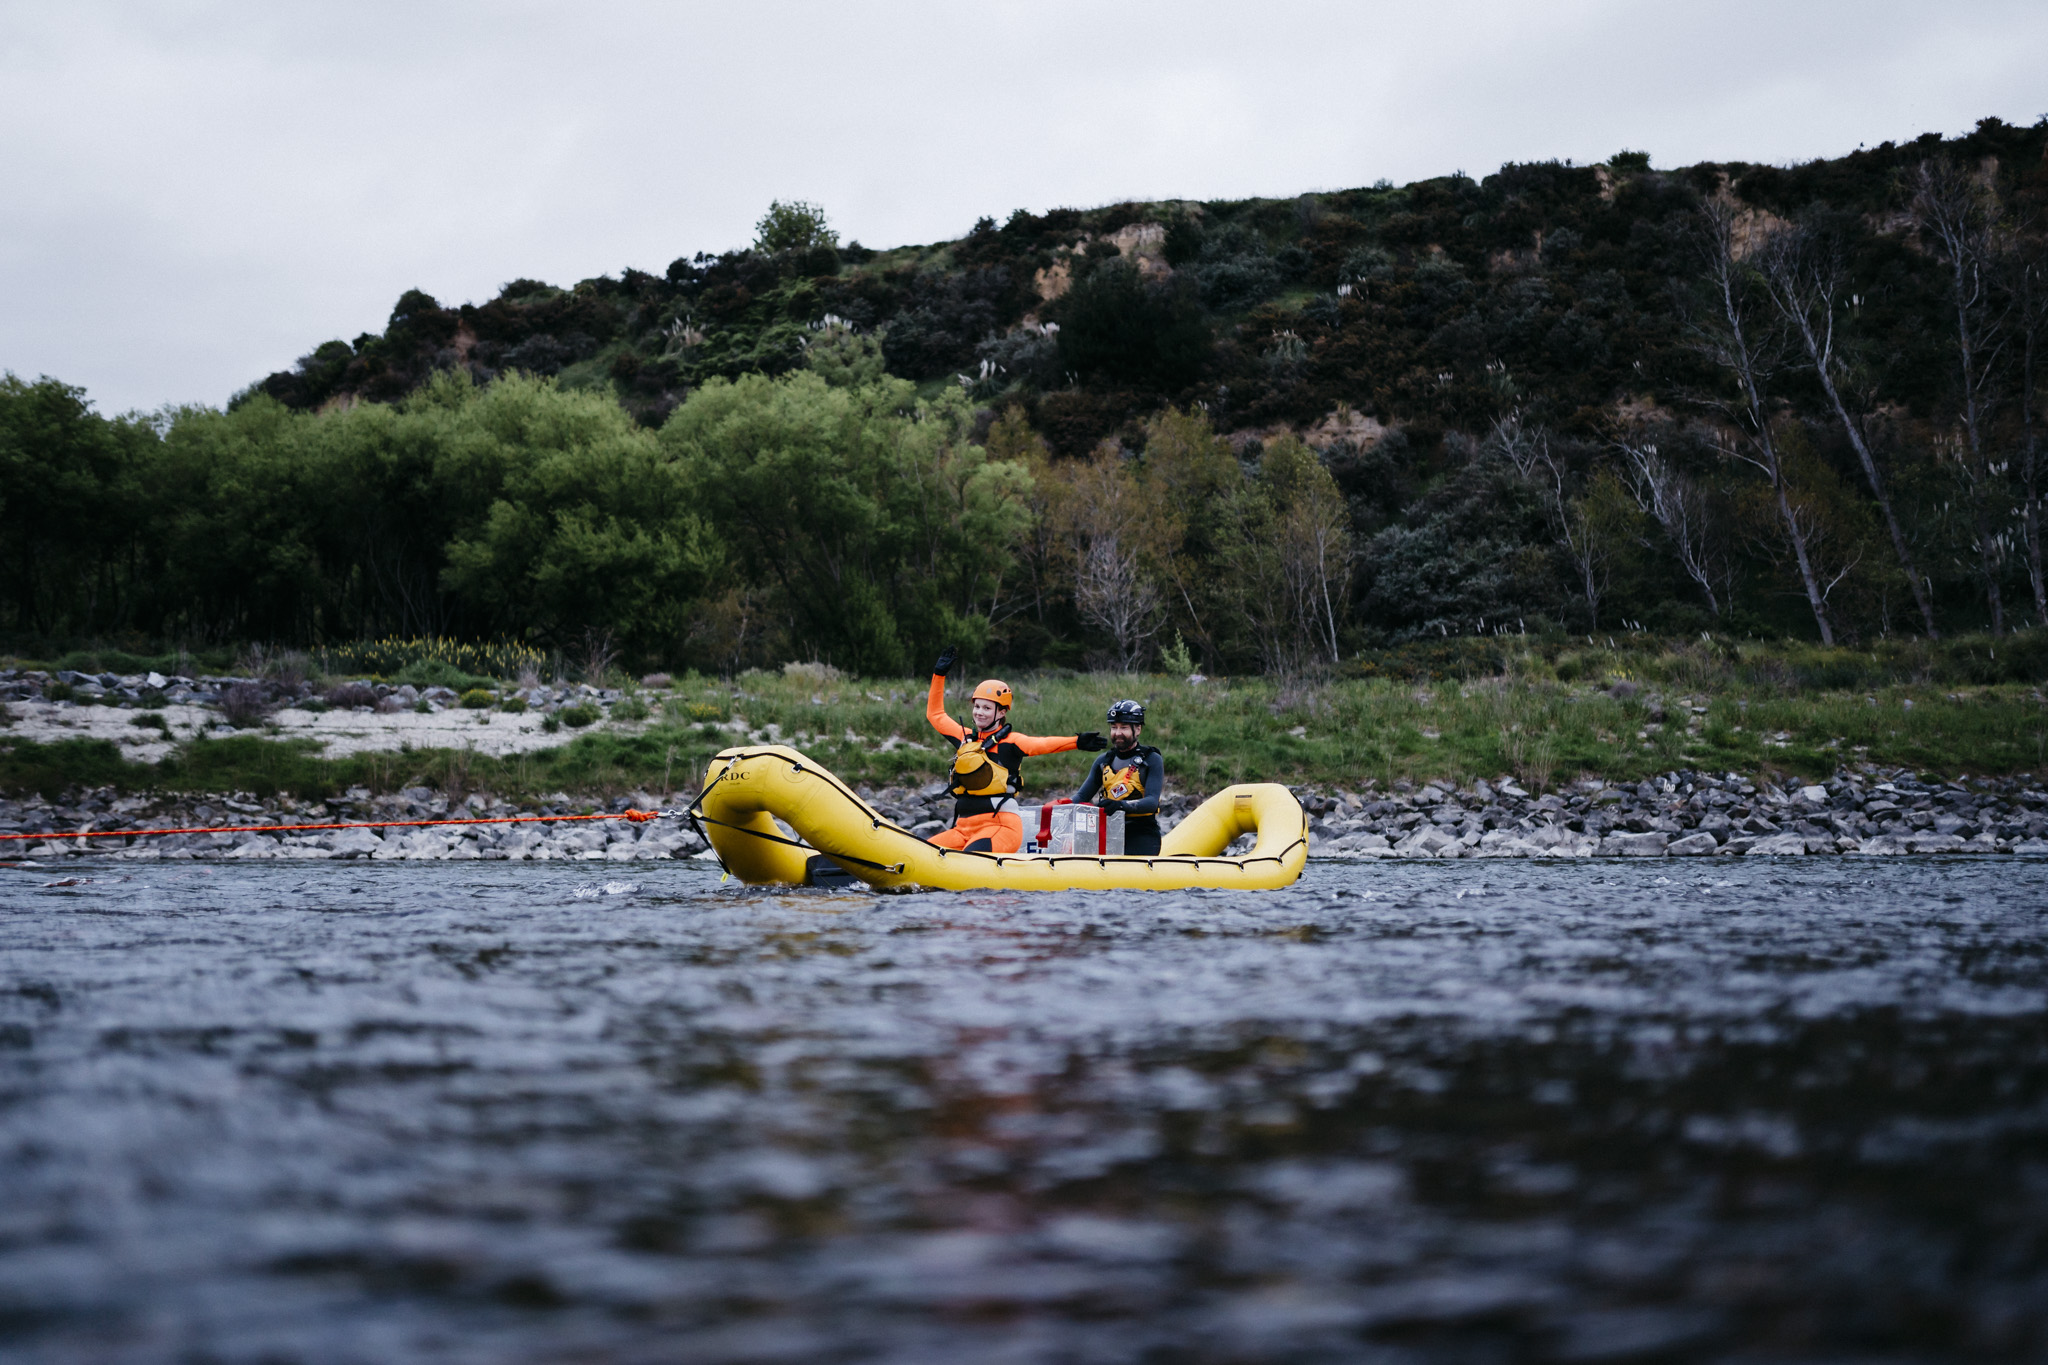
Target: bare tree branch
(1803, 277)
(1734, 337)
(1677, 505)
(1957, 213)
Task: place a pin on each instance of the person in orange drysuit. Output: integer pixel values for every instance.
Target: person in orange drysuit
(988, 764)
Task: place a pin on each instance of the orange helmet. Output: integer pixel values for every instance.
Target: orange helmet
(997, 691)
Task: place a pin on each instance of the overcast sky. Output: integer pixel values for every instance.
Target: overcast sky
(195, 194)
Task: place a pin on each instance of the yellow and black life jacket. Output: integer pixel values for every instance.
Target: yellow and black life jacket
(1124, 784)
(976, 774)
(987, 773)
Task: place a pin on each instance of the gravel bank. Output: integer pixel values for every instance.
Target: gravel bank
(591, 841)
(1678, 815)
(1688, 814)
(108, 706)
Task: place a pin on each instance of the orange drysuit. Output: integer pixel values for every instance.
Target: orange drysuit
(989, 824)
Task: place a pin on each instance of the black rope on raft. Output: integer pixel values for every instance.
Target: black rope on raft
(798, 843)
(695, 815)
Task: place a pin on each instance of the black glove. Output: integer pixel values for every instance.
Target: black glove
(1091, 741)
(946, 661)
(1110, 807)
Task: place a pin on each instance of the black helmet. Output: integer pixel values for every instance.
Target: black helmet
(1127, 711)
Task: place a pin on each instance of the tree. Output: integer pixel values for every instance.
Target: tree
(1587, 515)
(793, 227)
(1958, 214)
(593, 532)
(1189, 472)
(1803, 274)
(1288, 550)
(69, 492)
(1731, 332)
(2029, 287)
(880, 528)
(1117, 326)
(1679, 506)
(842, 357)
(1110, 530)
(1312, 541)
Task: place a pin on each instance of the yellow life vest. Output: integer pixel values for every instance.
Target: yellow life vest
(1124, 784)
(976, 774)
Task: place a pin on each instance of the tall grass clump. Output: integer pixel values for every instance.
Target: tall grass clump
(393, 655)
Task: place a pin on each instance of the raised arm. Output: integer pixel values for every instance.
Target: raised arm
(935, 710)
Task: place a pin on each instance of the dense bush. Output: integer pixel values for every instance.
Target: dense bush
(1119, 328)
(944, 318)
(1233, 270)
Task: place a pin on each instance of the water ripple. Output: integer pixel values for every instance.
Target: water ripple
(1455, 1112)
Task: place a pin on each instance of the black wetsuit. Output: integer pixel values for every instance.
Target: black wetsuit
(1141, 813)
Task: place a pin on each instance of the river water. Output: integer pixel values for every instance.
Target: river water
(1787, 1110)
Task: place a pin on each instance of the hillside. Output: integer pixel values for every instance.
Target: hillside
(1429, 305)
(1258, 435)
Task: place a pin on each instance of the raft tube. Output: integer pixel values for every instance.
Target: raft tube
(746, 789)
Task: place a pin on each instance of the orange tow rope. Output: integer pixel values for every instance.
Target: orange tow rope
(635, 816)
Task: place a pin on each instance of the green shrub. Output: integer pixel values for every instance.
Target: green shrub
(314, 705)
(550, 724)
(150, 720)
(795, 226)
(479, 699)
(425, 673)
(57, 691)
(513, 704)
(576, 717)
(1116, 324)
(631, 708)
(92, 661)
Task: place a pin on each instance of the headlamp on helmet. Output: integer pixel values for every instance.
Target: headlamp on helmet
(1128, 712)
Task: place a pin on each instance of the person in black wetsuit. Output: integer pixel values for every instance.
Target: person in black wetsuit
(1129, 777)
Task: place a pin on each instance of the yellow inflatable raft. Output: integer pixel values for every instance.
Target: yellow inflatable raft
(745, 789)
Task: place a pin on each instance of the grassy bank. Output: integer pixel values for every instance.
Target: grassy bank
(1473, 708)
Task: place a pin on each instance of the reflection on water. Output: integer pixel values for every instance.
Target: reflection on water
(1449, 1112)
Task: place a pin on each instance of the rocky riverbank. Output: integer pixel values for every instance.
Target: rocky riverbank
(1681, 814)
(1862, 809)
(593, 840)
(1677, 815)
(1688, 814)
